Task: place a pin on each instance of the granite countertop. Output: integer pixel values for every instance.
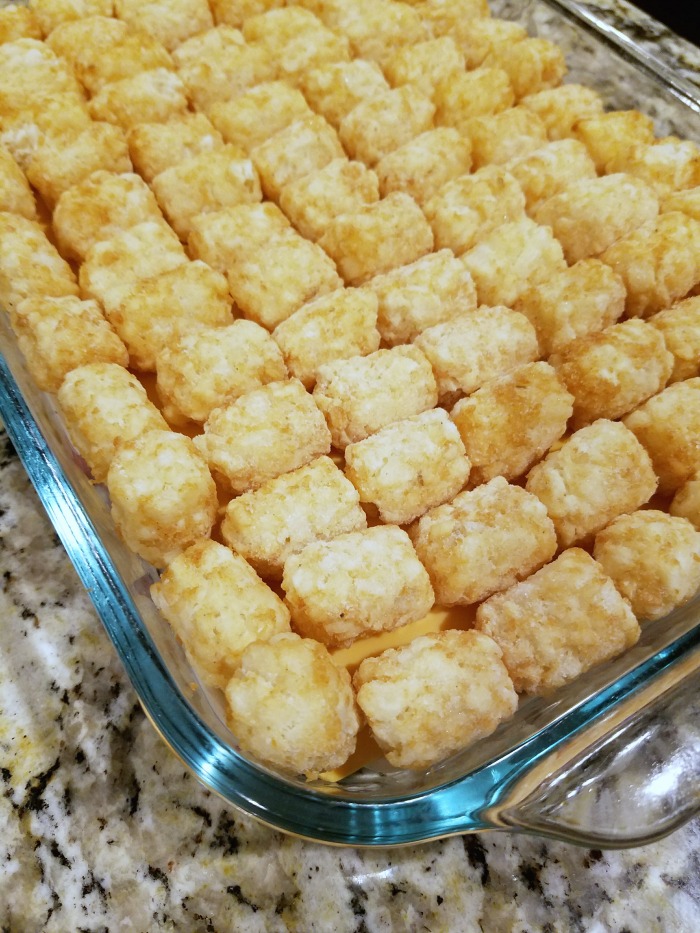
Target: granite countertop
(105, 830)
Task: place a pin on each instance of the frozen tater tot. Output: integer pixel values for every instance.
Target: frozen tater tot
(429, 291)
(104, 204)
(259, 113)
(575, 301)
(104, 405)
(658, 263)
(204, 183)
(35, 121)
(500, 137)
(157, 310)
(483, 541)
(686, 502)
(74, 37)
(377, 238)
(477, 36)
(51, 13)
(148, 97)
(302, 147)
(375, 29)
(420, 701)
(217, 605)
(424, 64)
(590, 215)
(163, 495)
(224, 236)
(236, 12)
(97, 65)
(380, 124)
(510, 422)
(57, 165)
(610, 137)
(667, 165)
(30, 265)
(211, 45)
(335, 326)
(335, 89)
(467, 208)
(409, 466)
(57, 335)
(687, 201)
(550, 169)
(532, 65)
(18, 22)
(680, 328)
(668, 426)
(357, 584)
(600, 472)
(113, 267)
(210, 366)
(170, 22)
(314, 503)
(462, 96)
(423, 165)
(512, 257)
(340, 187)
(154, 147)
(291, 707)
(613, 371)
(559, 108)
(564, 620)
(263, 434)
(30, 70)
(15, 194)
(358, 396)
(652, 558)
(472, 348)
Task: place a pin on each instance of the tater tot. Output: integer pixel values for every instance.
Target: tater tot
(51, 13)
(314, 503)
(483, 541)
(668, 426)
(559, 108)
(202, 369)
(667, 165)
(335, 326)
(573, 302)
(262, 434)
(15, 194)
(532, 65)
(377, 238)
(420, 700)
(87, 36)
(57, 335)
(217, 65)
(680, 328)
(423, 165)
(469, 207)
(222, 237)
(36, 123)
(472, 348)
(314, 728)
(157, 310)
(610, 137)
(613, 371)
(154, 147)
(475, 35)
(510, 422)
(170, 23)
(18, 22)
(658, 263)
(600, 472)
(444, 17)
(104, 406)
(57, 166)
(113, 267)
(99, 207)
(335, 89)
(148, 97)
(163, 496)
(564, 620)
(412, 298)
(217, 605)
(409, 466)
(302, 147)
(204, 183)
(498, 138)
(652, 558)
(357, 584)
(590, 215)
(462, 96)
(550, 169)
(259, 113)
(687, 201)
(686, 502)
(358, 396)
(380, 124)
(340, 187)
(424, 64)
(375, 29)
(236, 12)
(97, 65)
(30, 265)
(29, 70)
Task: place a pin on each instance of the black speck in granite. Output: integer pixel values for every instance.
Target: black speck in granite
(35, 788)
(224, 836)
(476, 854)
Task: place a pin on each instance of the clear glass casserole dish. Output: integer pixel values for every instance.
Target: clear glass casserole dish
(613, 759)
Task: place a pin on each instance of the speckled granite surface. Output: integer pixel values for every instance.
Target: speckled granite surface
(104, 831)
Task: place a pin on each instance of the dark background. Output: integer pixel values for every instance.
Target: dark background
(682, 17)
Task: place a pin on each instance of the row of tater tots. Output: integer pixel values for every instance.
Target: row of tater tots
(429, 245)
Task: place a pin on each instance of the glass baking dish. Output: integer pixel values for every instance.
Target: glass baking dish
(611, 760)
